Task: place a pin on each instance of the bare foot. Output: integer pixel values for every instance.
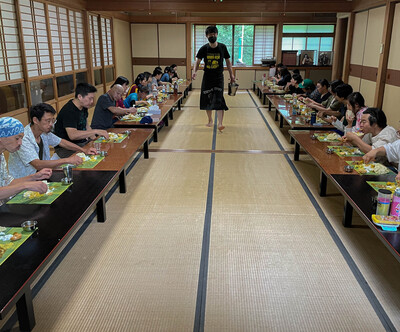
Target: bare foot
(221, 128)
(209, 124)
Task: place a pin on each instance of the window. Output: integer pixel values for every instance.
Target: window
(41, 90)
(264, 38)
(317, 38)
(60, 42)
(107, 43)
(12, 96)
(95, 40)
(78, 41)
(247, 44)
(10, 54)
(34, 31)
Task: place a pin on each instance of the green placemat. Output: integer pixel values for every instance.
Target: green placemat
(323, 137)
(367, 169)
(119, 139)
(346, 151)
(32, 197)
(376, 185)
(8, 247)
(94, 160)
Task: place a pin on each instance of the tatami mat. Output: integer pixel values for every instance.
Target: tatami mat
(272, 264)
(303, 282)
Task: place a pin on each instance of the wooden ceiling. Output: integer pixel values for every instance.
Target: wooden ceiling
(230, 6)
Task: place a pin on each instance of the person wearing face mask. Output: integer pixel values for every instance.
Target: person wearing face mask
(212, 87)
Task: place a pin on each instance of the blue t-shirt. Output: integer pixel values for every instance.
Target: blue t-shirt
(128, 100)
(165, 78)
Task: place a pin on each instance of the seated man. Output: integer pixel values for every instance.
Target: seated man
(391, 151)
(71, 123)
(309, 90)
(105, 108)
(34, 153)
(376, 131)
(342, 93)
(157, 73)
(11, 134)
(330, 106)
(293, 86)
(142, 94)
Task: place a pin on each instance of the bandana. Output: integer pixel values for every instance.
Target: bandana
(10, 127)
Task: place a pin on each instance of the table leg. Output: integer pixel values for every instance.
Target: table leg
(254, 87)
(322, 185)
(291, 140)
(171, 114)
(276, 115)
(348, 214)
(281, 121)
(269, 106)
(166, 120)
(155, 135)
(146, 150)
(26, 316)
(101, 209)
(179, 104)
(296, 151)
(122, 182)
(264, 98)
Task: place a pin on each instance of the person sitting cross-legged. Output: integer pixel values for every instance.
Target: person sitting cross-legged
(11, 134)
(34, 153)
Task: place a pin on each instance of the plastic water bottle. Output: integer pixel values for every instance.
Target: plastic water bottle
(395, 209)
(163, 88)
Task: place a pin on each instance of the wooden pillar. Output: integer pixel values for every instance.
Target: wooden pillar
(384, 56)
(349, 45)
(188, 50)
(278, 42)
(339, 48)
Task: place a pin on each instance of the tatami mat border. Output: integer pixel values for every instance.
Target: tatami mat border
(380, 311)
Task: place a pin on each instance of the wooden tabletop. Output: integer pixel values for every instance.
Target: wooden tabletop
(284, 108)
(56, 224)
(330, 163)
(268, 89)
(360, 195)
(120, 154)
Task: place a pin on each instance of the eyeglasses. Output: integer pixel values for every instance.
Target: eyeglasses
(51, 121)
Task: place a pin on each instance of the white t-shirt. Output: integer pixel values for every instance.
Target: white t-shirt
(393, 152)
(387, 135)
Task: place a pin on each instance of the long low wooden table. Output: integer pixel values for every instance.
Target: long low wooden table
(59, 220)
(296, 122)
(56, 223)
(358, 194)
(263, 91)
(120, 155)
(166, 108)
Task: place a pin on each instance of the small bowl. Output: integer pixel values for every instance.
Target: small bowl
(329, 151)
(29, 225)
(127, 132)
(348, 168)
(103, 153)
(313, 135)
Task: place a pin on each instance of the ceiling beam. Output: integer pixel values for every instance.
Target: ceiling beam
(277, 6)
(231, 19)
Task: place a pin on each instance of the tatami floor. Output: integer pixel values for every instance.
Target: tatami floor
(219, 232)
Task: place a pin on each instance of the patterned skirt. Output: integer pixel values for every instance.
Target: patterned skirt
(212, 92)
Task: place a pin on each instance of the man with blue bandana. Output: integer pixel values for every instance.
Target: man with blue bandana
(11, 134)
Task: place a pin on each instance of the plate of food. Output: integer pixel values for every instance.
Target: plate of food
(112, 138)
(369, 169)
(376, 185)
(55, 189)
(346, 151)
(131, 117)
(10, 239)
(387, 223)
(328, 137)
(288, 96)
